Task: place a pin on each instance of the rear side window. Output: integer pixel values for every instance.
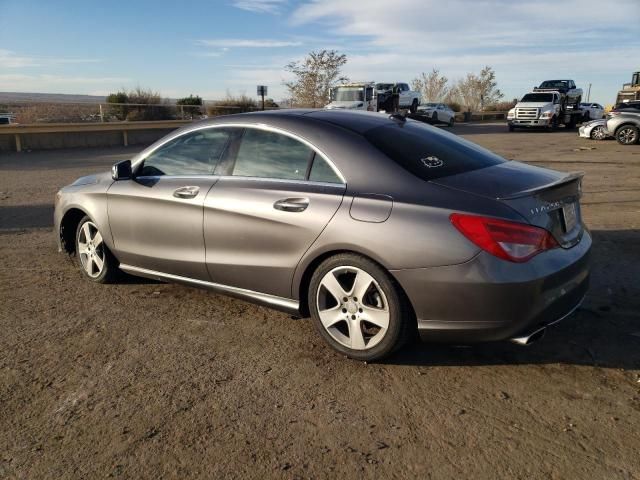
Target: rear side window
(321, 171)
(271, 155)
(194, 153)
(428, 152)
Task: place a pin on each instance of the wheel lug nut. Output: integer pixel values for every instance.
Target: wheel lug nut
(355, 299)
(360, 310)
(344, 310)
(353, 317)
(345, 299)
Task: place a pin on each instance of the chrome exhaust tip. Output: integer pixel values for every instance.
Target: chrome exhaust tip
(530, 338)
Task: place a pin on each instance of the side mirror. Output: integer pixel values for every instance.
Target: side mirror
(121, 170)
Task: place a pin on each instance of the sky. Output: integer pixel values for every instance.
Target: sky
(209, 48)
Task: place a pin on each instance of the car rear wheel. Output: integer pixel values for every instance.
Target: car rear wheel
(414, 106)
(434, 117)
(628, 135)
(358, 308)
(96, 261)
(598, 133)
(451, 121)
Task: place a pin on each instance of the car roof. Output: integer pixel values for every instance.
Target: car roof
(354, 120)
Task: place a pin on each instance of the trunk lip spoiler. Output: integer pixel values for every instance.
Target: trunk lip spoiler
(567, 179)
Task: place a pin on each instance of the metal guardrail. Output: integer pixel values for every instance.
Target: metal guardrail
(30, 128)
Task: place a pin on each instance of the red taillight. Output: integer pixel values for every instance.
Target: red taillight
(512, 241)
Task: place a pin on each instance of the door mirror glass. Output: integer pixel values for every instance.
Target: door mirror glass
(121, 170)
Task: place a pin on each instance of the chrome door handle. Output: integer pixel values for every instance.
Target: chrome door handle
(186, 192)
(292, 204)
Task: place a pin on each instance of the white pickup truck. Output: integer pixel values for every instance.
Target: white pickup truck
(372, 96)
(543, 109)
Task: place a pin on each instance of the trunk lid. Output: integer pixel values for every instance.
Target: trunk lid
(545, 198)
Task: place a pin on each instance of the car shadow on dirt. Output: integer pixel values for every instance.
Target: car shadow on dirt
(14, 217)
(604, 331)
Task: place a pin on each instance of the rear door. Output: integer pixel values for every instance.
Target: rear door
(156, 218)
(260, 218)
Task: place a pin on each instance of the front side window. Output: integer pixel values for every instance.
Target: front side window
(271, 155)
(194, 153)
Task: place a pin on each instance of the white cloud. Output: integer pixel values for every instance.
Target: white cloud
(524, 41)
(260, 6)
(10, 59)
(431, 25)
(247, 43)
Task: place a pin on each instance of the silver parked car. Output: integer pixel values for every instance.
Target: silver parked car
(375, 226)
(595, 130)
(624, 125)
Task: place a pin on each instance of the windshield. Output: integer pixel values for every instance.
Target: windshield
(554, 84)
(537, 97)
(428, 152)
(347, 94)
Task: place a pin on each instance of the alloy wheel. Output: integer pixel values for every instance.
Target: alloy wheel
(353, 308)
(91, 249)
(598, 133)
(627, 136)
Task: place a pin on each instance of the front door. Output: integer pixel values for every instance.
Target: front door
(156, 218)
(261, 218)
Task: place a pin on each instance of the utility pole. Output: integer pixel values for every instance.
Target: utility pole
(589, 93)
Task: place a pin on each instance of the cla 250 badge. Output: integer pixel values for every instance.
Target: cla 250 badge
(432, 162)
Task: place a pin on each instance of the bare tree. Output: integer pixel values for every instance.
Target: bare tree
(476, 91)
(314, 76)
(432, 86)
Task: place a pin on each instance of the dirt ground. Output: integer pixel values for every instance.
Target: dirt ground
(150, 380)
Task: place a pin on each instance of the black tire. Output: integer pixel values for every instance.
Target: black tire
(414, 106)
(434, 117)
(401, 319)
(110, 271)
(451, 122)
(553, 125)
(627, 135)
(512, 128)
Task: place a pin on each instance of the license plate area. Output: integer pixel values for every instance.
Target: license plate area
(569, 216)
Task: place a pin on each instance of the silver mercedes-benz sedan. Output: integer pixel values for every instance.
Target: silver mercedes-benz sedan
(375, 226)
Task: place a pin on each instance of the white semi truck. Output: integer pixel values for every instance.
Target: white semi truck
(372, 96)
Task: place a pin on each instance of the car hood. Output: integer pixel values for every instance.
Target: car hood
(348, 105)
(95, 179)
(87, 180)
(533, 104)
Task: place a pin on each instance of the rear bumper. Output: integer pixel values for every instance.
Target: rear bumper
(488, 299)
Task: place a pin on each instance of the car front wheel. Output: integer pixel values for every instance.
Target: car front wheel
(96, 261)
(358, 308)
(628, 135)
(598, 133)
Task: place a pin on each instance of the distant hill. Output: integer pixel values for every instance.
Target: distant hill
(8, 97)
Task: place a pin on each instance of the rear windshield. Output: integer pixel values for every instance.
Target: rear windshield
(428, 152)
